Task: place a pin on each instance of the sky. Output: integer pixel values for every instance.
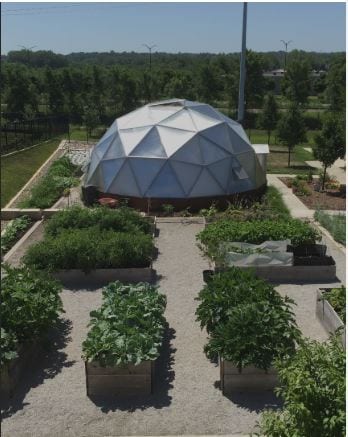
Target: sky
(173, 27)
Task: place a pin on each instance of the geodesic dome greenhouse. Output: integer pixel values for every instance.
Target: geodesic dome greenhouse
(174, 150)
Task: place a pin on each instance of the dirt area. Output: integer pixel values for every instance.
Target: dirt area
(186, 400)
(330, 199)
(4, 223)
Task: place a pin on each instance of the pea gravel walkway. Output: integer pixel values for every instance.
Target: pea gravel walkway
(52, 400)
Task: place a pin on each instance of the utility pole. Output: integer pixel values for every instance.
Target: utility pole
(150, 53)
(241, 99)
(286, 43)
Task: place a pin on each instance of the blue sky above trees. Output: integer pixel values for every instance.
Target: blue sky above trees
(174, 27)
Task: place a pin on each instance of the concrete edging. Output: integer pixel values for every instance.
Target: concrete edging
(328, 316)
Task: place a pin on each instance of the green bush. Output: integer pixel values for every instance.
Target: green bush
(313, 389)
(50, 188)
(313, 121)
(30, 304)
(248, 321)
(89, 249)
(12, 231)
(335, 224)
(129, 326)
(121, 220)
(255, 232)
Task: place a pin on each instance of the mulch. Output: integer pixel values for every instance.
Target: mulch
(329, 199)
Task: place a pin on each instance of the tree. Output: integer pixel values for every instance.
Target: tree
(255, 83)
(91, 119)
(21, 93)
(296, 83)
(336, 84)
(330, 142)
(209, 83)
(55, 92)
(269, 116)
(291, 128)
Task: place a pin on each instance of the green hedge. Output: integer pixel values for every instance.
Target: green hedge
(249, 323)
(129, 326)
(30, 304)
(50, 188)
(91, 248)
(256, 232)
(121, 220)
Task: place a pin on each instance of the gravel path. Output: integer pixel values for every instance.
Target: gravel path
(52, 400)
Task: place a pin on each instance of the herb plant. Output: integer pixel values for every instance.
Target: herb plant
(129, 326)
(30, 304)
(89, 249)
(313, 390)
(12, 231)
(121, 220)
(337, 299)
(249, 323)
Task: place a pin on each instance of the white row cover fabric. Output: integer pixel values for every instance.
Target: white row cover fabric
(174, 149)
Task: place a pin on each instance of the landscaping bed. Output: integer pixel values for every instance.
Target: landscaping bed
(309, 194)
(124, 340)
(14, 232)
(30, 305)
(249, 325)
(334, 224)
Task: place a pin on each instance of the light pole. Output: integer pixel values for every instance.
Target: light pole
(150, 53)
(286, 43)
(242, 67)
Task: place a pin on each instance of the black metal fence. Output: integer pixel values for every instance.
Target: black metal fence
(20, 134)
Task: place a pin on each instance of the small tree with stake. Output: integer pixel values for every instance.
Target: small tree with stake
(330, 142)
(91, 119)
(269, 117)
(291, 128)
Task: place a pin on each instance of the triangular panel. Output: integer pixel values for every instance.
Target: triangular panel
(208, 111)
(211, 152)
(101, 148)
(132, 137)
(124, 183)
(247, 163)
(239, 145)
(173, 139)
(190, 152)
(202, 121)
(218, 135)
(222, 171)
(206, 185)
(109, 170)
(145, 171)
(116, 149)
(151, 146)
(187, 174)
(179, 120)
(166, 184)
(238, 186)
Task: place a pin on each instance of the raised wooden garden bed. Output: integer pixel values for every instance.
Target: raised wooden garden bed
(101, 277)
(328, 316)
(249, 379)
(13, 371)
(127, 380)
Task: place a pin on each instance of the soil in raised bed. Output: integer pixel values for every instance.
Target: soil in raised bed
(328, 199)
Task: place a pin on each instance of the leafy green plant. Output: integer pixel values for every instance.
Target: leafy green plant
(249, 323)
(129, 326)
(168, 209)
(209, 212)
(89, 249)
(255, 232)
(121, 220)
(12, 231)
(30, 304)
(335, 224)
(60, 176)
(313, 389)
(337, 299)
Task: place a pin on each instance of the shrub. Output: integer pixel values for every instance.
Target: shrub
(12, 231)
(313, 122)
(121, 220)
(313, 389)
(337, 299)
(129, 326)
(168, 209)
(50, 188)
(248, 321)
(335, 224)
(30, 304)
(255, 232)
(91, 248)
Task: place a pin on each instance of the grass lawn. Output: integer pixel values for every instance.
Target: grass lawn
(78, 133)
(17, 169)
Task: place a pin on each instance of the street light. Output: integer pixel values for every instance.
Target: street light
(286, 43)
(150, 53)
